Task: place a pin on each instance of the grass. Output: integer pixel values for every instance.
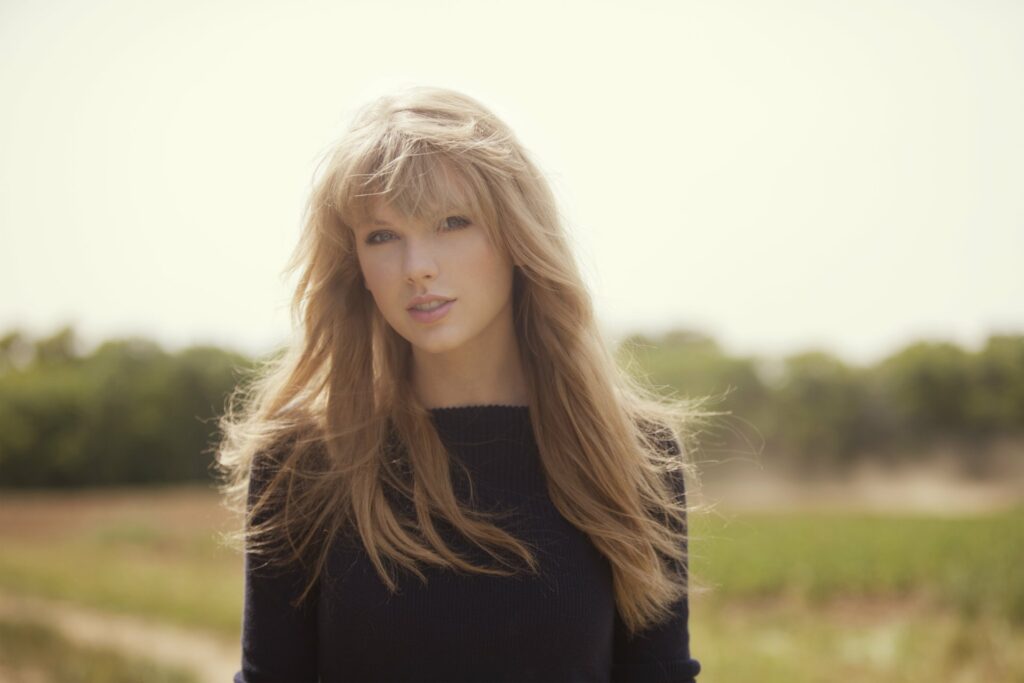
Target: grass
(970, 565)
(788, 640)
(795, 596)
(187, 585)
(35, 647)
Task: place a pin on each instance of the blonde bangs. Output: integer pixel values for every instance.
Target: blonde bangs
(419, 183)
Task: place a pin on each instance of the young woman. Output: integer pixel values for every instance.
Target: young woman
(448, 476)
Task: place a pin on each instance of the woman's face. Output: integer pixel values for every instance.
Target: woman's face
(402, 258)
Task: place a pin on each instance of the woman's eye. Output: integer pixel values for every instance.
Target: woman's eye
(372, 239)
(449, 223)
(455, 222)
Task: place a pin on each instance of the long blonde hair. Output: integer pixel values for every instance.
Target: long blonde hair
(324, 435)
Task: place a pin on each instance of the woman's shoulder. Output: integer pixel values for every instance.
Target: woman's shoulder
(279, 451)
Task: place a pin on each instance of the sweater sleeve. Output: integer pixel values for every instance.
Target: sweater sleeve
(279, 641)
(661, 654)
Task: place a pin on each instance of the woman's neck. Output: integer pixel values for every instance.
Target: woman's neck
(487, 377)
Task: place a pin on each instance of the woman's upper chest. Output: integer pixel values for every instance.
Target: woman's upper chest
(563, 613)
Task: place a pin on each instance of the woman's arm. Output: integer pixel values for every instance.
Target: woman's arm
(661, 654)
(279, 642)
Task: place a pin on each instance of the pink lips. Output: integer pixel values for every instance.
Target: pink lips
(431, 316)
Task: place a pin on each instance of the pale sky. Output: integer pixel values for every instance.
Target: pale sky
(782, 175)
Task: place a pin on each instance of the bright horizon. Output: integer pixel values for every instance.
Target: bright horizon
(781, 176)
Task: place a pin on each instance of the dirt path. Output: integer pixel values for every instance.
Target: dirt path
(879, 491)
(213, 658)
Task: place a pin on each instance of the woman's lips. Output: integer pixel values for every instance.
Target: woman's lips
(431, 316)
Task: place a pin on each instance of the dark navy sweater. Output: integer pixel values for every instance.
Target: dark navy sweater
(559, 626)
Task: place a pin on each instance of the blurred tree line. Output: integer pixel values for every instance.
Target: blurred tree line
(814, 414)
(129, 412)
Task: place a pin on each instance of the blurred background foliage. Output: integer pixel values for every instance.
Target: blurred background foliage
(126, 413)
(129, 412)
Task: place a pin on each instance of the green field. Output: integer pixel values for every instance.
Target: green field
(779, 597)
(859, 597)
(31, 647)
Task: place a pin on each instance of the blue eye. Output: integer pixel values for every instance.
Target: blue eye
(371, 239)
(449, 223)
(461, 222)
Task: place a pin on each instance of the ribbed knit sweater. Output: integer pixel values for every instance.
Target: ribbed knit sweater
(561, 625)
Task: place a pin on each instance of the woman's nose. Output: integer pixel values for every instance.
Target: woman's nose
(420, 260)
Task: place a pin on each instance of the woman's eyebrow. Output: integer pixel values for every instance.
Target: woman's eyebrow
(370, 222)
(451, 210)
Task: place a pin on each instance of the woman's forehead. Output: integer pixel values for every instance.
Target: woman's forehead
(379, 212)
(382, 210)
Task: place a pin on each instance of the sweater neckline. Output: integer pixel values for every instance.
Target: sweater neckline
(477, 407)
(482, 423)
